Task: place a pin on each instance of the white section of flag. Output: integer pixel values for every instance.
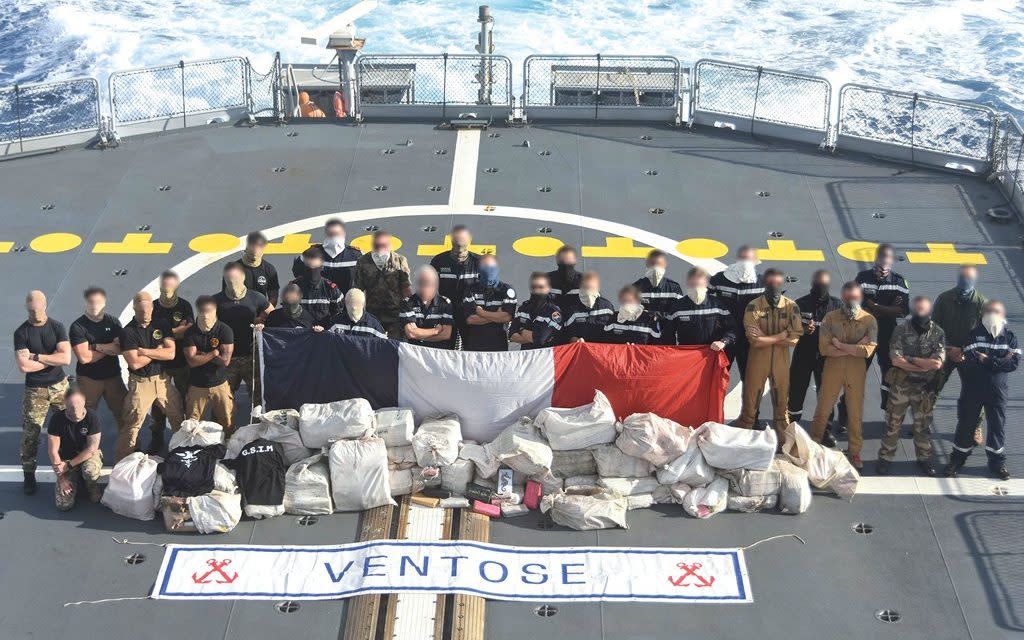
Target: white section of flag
(547, 574)
(488, 391)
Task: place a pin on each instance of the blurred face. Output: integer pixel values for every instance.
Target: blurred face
(169, 284)
(256, 248)
(567, 258)
(591, 284)
(35, 303)
(382, 244)
(143, 306)
(75, 404)
(488, 261)
(461, 239)
(657, 261)
(747, 255)
(969, 271)
(775, 281)
(540, 287)
(697, 281)
(853, 296)
(207, 309)
(628, 297)
(334, 231)
(95, 304)
(314, 262)
(234, 277)
(996, 310)
(426, 285)
(822, 280)
(291, 296)
(885, 257)
(922, 307)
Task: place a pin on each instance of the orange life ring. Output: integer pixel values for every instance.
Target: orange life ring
(339, 105)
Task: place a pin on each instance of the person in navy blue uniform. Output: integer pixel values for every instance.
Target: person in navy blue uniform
(586, 313)
(290, 314)
(565, 279)
(354, 319)
(701, 318)
(489, 306)
(337, 258)
(457, 269)
(990, 356)
(887, 298)
(632, 323)
(320, 297)
(426, 315)
(807, 359)
(659, 294)
(538, 321)
(735, 287)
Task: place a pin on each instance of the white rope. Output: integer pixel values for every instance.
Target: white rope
(75, 604)
(127, 541)
(784, 535)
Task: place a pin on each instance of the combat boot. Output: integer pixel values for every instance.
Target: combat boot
(30, 483)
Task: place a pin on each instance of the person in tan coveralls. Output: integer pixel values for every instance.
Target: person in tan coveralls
(772, 324)
(847, 338)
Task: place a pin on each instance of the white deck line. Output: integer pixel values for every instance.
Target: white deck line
(415, 612)
(462, 191)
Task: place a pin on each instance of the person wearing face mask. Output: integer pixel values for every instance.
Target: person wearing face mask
(887, 298)
(41, 351)
(659, 294)
(427, 315)
(917, 351)
(538, 321)
(73, 442)
(588, 312)
(383, 275)
(457, 268)
(701, 318)
(320, 297)
(96, 342)
(354, 320)
(260, 275)
(846, 338)
(957, 311)
(244, 312)
(208, 346)
(489, 305)
(565, 280)
(147, 346)
(338, 260)
(632, 323)
(291, 314)
(807, 359)
(737, 286)
(990, 356)
(772, 325)
(173, 310)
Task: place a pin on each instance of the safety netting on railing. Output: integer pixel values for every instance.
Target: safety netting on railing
(31, 111)
(601, 80)
(916, 121)
(443, 79)
(1008, 163)
(178, 90)
(761, 94)
(264, 89)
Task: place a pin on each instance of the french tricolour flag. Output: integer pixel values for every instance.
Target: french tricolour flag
(489, 391)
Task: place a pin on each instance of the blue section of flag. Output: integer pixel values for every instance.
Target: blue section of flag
(301, 366)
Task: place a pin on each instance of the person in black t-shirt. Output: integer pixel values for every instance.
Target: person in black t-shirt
(73, 438)
(291, 314)
(147, 346)
(208, 346)
(176, 312)
(260, 275)
(96, 341)
(41, 350)
(244, 311)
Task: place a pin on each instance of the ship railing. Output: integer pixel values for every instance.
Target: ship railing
(436, 87)
(916, 128)
(602, 87)
(1008, 165)
(761, 101)
(49, 115)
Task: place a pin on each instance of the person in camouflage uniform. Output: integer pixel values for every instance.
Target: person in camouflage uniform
(384, 276)
(918, 352)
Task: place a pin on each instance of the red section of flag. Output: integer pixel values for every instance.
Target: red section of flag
(685, 384)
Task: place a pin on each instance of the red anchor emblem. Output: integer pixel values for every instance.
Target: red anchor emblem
(690, 570)
(217, 566)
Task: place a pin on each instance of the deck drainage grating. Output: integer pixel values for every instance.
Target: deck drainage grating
(265, 207)
(775, 234)
(371, 227)
(19, 249)
(544, 189)
(491, 170)
(493, 135)
(144, 227)
(651, 172)
(387, 152)
(792, 279)
(307, 521)
(890, 616)
(878, 215)
(764, 194)
(546, 610)
(121, 272)
(280, 169)
(293, 134)
(134, 559)
(164, 187)
(1000, 214)
(440, 152)
(544, 153)
(646, 138)
(657, 211)
(287, 606)
(1000, 491)
(429, 229)
(543, 229)
(863, 528)
(435, 188)
(380, 187)
(49, 206)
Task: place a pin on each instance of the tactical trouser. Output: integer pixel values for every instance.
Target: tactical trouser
(220, 401)
(805, 365)
(111, 390)
(242, 368)
(921, 401)
(968, 411)
(35, 407)
(766, 364)
(947, 370)
(87, 473)
(844, 374)
(740, 352)
(157, 419)
(145, 392)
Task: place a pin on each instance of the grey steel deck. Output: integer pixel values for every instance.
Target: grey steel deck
(950, 565)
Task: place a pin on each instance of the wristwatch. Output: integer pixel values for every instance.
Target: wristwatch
(35, 357)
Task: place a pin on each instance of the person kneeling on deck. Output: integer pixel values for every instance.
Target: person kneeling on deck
(538, 321)
(588, 312)
(489, 305)
(917, 351)
(427, 314)
(632, 324)
(772, 325)
(146, 345)
(74, 445)
(700, 317)
(208, 346)
(989, 357)
(291, 314)
(355, 320)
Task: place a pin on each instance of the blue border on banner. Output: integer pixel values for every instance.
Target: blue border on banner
(168, 566)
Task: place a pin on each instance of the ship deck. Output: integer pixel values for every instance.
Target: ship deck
(943, 554)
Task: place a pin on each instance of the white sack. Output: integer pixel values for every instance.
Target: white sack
(678, 491)
(726, 447)
(639, 501)
(577, 482)
(629, 486)
(456, 476)
(395, 425)
(795, 491)
(611, 462)
(486, 464)
(436, 442)
(241, 437)
(401, 457)
(130, 488)
(281, 417)
(262, 511)
(653, 438)
(704, 502)
(690, 468)
(321, 424)
(404, 481)
(579, 427)
(584, 512)
(224, 479)
(751, 504)
(215, 512)
(746, 482)
(565, 464)
(307, 488)
(359, 474)
(282, 426)
(826, 468)
(196, 433)
(662, 494)
(548, 482)
(522, 448)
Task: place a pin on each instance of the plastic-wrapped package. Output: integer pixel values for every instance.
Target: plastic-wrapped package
(726, 447)
(486, 464)
(611, 462)
(224, 479)
(826, 468)
(282, 426)
(395, 425)
(639, 501)
(548, 482)
(653, 438)
(678, 491)
(321, 424)
(241, 437)
(580, 462)
(401, 457)
(130, 488)
(596, 509)
(690, 468)
(522, 447)
(404, 481)
(436, 442)
(263, 511)
(662, 494)
(751, 504)
(215, 512)
(456, 476)
(795, 491)
(576, 482)
(628, 486)
(196, 433)
(307, 487)
(578, 427)
(704, 502)
(359, 474)
(746, 482)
